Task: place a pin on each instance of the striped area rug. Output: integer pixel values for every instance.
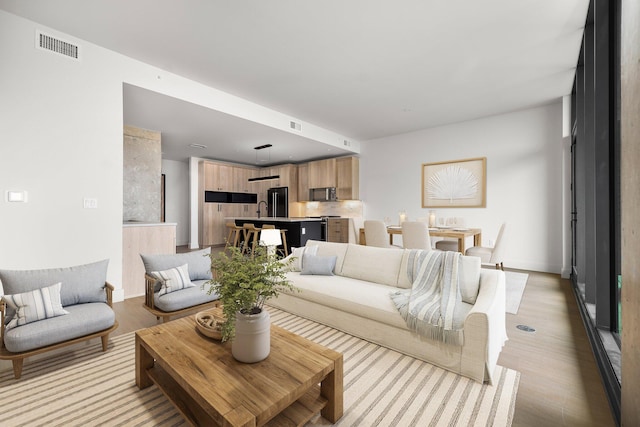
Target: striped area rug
(86, 387)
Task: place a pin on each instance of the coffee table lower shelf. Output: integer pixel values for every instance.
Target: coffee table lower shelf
(297, 414)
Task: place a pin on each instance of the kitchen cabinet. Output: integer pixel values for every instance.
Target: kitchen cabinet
(217, 177)
(322, 173)
(303, 182)
(287, 177)
(213, 226)
(241, 177)
(348, 178)
(338, 230)
(213, 176)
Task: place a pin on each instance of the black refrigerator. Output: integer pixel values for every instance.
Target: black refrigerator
(278, 202)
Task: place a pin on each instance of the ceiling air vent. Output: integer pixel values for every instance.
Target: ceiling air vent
(53, 44)
(294, 125)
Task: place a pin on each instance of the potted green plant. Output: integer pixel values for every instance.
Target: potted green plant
(244, 283)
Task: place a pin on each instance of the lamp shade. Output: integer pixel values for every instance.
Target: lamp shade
(270, 237)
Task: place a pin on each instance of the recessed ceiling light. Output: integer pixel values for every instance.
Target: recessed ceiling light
(197, 146)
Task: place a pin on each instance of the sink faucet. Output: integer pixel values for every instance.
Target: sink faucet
(259, 203)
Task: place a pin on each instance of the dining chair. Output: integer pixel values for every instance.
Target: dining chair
(494, 255)
(375, 234)
(415, 235)
(447, 244)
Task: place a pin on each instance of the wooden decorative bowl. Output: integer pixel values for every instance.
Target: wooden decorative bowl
(209, 324)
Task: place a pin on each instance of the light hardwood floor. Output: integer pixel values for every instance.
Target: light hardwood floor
(559, 384)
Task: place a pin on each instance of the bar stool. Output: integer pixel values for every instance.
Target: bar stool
(250, 234)
(234, 235)
(283, 236)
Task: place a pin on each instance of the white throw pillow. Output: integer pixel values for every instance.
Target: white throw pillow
(173, 279)
(35, 305)
(298, 256)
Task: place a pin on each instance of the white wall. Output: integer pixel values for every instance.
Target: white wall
(61, 140)
(177, 197)
(524, 152)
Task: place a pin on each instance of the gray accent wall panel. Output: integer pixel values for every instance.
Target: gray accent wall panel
(142, 165)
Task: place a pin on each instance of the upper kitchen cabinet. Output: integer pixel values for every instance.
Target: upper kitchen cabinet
(279, 176)
(217, 176)
(341, 172)
(288, 178)
(241, 177)
(322, 173)
(303, 182)
(348, 178)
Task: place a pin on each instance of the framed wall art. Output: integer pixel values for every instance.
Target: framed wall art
(455, 184)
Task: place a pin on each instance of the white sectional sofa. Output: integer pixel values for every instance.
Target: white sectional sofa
(356, 300)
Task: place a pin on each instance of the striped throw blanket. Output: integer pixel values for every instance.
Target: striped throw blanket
(432, 306)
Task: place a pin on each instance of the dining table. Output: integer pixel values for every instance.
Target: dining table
(459, 233)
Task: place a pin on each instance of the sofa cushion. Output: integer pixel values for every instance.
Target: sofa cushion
(173, 279)
(83, 319)
(373, 264)
(361, 298)
(35, 305)
(198, 261)
(318, 265)
(80, 284)
(187, 297)
(329, 249)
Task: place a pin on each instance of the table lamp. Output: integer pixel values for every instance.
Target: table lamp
(270, 238)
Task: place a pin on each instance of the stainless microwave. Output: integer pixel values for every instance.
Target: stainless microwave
(325, 194)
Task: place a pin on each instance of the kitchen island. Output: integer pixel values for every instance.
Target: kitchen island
(299, 230)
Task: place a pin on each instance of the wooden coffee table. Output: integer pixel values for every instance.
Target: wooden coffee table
(209, 387)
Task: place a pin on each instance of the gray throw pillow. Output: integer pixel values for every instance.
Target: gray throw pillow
(198, 262)
(318, 265)
(80, 284)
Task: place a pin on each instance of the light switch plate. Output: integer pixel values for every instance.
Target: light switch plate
(90, 203)
(16, 196)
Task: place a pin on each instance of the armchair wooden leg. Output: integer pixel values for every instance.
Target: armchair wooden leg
(105, 342)
(17, 368)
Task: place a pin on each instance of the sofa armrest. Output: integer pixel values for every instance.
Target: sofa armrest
(488, 315)
(149, 289)
(109, 288)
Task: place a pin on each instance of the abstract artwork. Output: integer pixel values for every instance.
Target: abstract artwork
(455, 184)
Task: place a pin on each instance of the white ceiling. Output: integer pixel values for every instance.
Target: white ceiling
(362, 68)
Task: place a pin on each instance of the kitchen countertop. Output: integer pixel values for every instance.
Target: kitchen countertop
(147, 224)
(274, 219)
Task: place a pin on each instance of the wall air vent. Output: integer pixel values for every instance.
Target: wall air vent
(347, 143)
(56, 45)
(295, 126)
